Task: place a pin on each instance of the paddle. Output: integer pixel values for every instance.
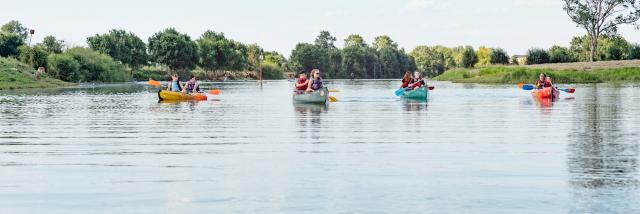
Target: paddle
(215, 92)
(431, 88)
(529, 87)
(333, 99)
(334, 90)
(154, 83)
(400, 91)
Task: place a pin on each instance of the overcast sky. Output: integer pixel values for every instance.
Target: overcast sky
(515, 25)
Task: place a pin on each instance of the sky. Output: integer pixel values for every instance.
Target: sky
(514, 25)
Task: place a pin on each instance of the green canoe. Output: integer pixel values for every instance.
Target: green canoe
(417, 94)
(319, 96)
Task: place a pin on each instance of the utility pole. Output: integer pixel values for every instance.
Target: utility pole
(260, 58)
(31, 32)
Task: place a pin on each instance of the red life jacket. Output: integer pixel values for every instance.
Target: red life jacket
(405, 83)
(301, 81)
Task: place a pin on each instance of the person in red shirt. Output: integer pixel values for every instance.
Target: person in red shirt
(302, 82)
(417, 81)
(543, 82)
(406, 79)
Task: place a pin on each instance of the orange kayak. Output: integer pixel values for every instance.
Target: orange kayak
(546, 93)
(172, 95)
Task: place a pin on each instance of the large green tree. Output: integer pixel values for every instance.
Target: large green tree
(9, 43)
(52, 45)
(600, 17)
(498, 56)
(175, 50)
(305, 57)
(15, 27)
(429, 60)
(122, 46)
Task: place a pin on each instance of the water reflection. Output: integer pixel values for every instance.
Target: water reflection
(602, 158)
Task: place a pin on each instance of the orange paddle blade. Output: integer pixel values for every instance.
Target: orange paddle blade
(154, 83)
(520, 85)
(333, 99)
(215, 92)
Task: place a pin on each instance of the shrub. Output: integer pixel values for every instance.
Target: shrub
(537, 56)
(467, 57)
(64, 67)
(559, 54)
(634, 51)
(95, 66)
(34, 57)
(484, 56)
(499, 56)
(271, 71)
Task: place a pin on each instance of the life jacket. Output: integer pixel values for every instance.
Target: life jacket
(175, 86)
(190, 86)
(302, 87)
(405, 83)
(543, 84)
(316, 84)
(417, 83)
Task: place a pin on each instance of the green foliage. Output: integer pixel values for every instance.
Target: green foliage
(216, 52)
(175, 50)
(613, 48)
(52, 45)
(484, 56)
(9, 43)
(634, 51)
(558, 54)
(275, 58)
(429, 60)
(325, 40)
(122, 46)
(305, 57)
(514, 75)
(151, 72)
(537, 56)
(253, 56)
(64, 67)
(34, 57)
(354, 40)
(498, 56)
(17, 75)
(466, 57)
(271, 71)
(95, 66)
(15, 27)
(384, 41)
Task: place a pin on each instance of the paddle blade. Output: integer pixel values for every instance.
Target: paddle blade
(215, 92)
(154, 83)
(520, 85)
(528, 87)
(333, 99)
(399, 92)
(568, 90)
(334, 90)
(431, 88)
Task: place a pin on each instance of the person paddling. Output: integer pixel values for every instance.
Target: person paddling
(406, 79)
(315, 83)
(175, 84)
(302, 83)
(192, 86)
(543, 82)
(417, 81)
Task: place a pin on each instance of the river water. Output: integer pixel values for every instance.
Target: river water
(471, 148)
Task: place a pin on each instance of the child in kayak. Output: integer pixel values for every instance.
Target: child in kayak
(417, 81)
(315, 83)
(406, 79)
(302, 83)
(543, 82)
(174, 84)
(192, 86)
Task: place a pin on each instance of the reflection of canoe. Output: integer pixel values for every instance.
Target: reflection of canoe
(418, 94)
(546, 93)
(311, 107)
(172, 95)
(319, 96)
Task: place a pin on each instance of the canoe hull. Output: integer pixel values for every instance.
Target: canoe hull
(172, 95)
(417, 94)
(546, 93)
(319, 96)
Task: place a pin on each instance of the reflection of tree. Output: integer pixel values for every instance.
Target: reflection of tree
(602, 164)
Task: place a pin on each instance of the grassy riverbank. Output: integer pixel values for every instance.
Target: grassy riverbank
(583, 72)
(16, 75)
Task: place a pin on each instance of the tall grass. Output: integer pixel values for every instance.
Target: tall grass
(525, 74)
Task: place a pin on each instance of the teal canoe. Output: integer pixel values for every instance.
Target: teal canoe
(417, 94)
(319, 96)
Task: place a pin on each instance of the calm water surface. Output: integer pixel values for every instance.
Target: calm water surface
(470, 148)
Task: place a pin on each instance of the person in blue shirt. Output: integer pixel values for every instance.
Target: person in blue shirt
(175, 84)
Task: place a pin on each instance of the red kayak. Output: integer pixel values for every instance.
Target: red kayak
(546, 93)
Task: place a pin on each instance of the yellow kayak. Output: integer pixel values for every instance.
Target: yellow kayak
(172, 95)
